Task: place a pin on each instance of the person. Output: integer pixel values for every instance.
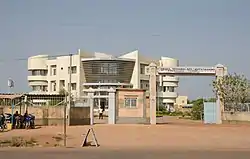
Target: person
(25, 121)
(25, 114)
(15, 119)
(2, 120)
(100, 113)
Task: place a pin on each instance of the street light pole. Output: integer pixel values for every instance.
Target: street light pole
(67, 102)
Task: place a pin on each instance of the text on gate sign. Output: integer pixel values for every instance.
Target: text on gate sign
(187, 70)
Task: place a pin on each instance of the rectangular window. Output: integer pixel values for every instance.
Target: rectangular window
(109, 68)
(142, 86)
(40, 88)
(73, 86)
(53, 85)
(73, 69)
(170, 89)
(130, 102)
(39, 72)
(142, 68)
(62, 83)
(53, 70)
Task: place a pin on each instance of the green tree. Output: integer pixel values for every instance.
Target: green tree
(232, 90)
(197, 109)
(62, 91)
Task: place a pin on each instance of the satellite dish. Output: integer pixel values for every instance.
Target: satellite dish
(10, 83)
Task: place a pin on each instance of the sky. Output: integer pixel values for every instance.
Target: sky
(197, 32)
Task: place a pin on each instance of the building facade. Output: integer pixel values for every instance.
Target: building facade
(98, 71)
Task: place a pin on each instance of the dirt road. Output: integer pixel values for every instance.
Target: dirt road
(173, 140)
(121, 154)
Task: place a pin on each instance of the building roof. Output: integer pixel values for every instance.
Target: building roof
(129, 56)
(130, 89)
(13, 96)
(10, 96)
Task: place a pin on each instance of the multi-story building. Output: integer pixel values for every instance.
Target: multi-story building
(98, 70)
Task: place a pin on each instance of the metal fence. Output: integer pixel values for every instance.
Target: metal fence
(242, 107)
(32, 100)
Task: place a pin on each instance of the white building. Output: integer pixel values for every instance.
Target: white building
(98, 70)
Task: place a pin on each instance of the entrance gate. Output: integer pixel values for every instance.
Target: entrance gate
(111, 103)
(218, 71)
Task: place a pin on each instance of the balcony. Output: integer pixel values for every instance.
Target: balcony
(170, 79)
(144, 77)
(37, 78)
(168, 94)
(170, 84)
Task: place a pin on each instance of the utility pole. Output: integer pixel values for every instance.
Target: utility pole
(11, 85)
(67, 102)
(70, 83)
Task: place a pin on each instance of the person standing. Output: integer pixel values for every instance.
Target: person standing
(100, 113)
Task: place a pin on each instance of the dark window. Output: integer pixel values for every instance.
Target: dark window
(109, 68)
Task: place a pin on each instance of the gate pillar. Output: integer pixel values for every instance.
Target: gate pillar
(91, 105)
(112, 107)
(152, 90)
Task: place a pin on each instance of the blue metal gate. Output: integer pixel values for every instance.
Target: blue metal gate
(210, 113)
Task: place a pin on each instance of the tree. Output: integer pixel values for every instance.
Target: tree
(197, 109)
(232, 90)
(62, 91)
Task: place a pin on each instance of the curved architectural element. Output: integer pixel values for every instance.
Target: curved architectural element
(38, 62)
(38, 70)
(108, 71)
(168, 83)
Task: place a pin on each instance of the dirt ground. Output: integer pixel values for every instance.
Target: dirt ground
(176, 134)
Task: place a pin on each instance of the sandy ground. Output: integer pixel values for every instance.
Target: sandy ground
(176, 135)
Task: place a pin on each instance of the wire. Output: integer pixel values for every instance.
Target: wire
(25, 59)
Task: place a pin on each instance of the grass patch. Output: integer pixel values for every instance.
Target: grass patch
(18, 142)
(58, 140)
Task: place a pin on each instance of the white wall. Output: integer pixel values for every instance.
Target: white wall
(62, 63)
(135, 79)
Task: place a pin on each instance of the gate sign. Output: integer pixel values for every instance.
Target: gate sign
(187, 70)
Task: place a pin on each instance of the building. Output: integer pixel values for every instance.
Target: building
(98, 71)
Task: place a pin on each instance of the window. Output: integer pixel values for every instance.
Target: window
(142, 68)
(131, 102)
(141, 86)
(39, 72)
(53, 70)
(109, 68)
(53, 85)
(73, 69)
(40, 88)
(170, 89)
(62, 83)
(73, 86)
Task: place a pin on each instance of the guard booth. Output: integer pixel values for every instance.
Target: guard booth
(125, 105)
(211, 112)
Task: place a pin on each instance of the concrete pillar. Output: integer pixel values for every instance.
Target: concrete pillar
(220, 71)
(91, 105)
(112, 107)
(152, 90)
